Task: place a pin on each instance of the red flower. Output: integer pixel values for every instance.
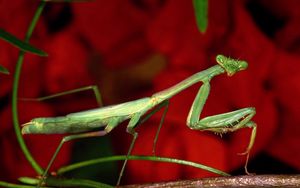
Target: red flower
(287, 89)
(112, 22)
(67, 66)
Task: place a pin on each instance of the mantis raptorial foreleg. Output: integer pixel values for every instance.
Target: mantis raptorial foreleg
(221, 123)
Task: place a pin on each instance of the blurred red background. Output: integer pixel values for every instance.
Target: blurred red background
(134, 48)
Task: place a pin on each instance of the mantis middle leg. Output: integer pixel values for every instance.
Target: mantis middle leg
(221, 123)
(164, 104)
(133, 123)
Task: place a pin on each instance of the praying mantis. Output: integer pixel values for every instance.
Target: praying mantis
(101, 121)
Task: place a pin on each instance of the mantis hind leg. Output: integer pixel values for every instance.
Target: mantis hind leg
(112, 124)
(94, 88)
(98, 97)
(67, 139)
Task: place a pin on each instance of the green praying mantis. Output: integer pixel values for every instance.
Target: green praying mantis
(101, 121)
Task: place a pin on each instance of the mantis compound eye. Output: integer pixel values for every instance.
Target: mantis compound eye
(221, 59)
(243, 65)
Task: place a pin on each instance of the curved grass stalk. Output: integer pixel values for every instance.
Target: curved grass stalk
(75, 166)
(12, 185)
(17, 73)
(75, 183)
(56, 182)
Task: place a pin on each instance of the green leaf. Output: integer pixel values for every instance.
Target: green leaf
(20, 44)
(201, 9)
(3, 70)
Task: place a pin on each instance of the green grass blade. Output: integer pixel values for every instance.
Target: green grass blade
(20, 44)
(29, 180)
(75, 183)
(74, 166)
(3, 70)
(12, 185)
(201, 9)
(63, 182)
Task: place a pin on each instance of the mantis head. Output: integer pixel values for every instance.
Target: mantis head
(231, 66)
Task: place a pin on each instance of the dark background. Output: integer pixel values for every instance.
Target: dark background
(134, 48)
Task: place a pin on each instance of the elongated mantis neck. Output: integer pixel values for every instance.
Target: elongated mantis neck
(205, 75)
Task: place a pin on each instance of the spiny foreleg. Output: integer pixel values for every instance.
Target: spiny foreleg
(221, 123)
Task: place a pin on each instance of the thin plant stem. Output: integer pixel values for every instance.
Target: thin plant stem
(12, 185)
(56, 182)
(17, 73)
(74, 166)
(75, 183)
